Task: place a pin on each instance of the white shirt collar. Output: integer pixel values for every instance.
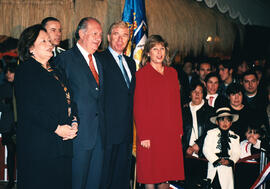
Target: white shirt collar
(115, 56)
(85, 55)
(114, 53)
(213, 95)
(196, 107)
(83, 51)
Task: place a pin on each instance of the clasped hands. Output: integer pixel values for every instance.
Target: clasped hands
(194, 148)
(67, 131)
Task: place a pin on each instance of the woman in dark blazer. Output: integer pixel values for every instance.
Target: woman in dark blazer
(195, 123)
(46, 122)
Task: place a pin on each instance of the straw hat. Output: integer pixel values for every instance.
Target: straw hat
(224, 112)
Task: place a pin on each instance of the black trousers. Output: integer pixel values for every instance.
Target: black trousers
(45, 174)
(195, 172)
(117, 166)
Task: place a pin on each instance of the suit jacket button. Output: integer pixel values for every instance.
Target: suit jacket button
(96, 89)
(96, 114)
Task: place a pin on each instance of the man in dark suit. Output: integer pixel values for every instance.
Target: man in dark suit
(255, 100)
(214, 99)
(84, 73)
(119, 83)
(54, 30)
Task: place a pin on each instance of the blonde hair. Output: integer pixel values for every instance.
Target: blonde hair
(149, 44)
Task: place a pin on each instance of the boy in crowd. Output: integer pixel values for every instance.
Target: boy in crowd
(222, 149)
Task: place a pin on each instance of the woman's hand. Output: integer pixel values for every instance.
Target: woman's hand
(196, 148)
(145, 143)
(74, 123)
(66, 131)
(189, 150)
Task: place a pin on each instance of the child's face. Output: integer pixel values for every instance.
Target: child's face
(251, 133)
(224, 123)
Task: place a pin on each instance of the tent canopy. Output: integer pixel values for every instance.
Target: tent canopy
(252, 12)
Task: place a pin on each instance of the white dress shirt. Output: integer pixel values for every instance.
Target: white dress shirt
(85, 55)
(214, 99)
(115, 56)
(194, 133)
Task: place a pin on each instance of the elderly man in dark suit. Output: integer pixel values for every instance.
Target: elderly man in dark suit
(119, 83)
(84, 73)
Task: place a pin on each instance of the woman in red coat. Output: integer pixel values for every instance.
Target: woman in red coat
(158, 117)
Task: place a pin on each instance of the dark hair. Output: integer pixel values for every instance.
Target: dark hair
(258, 68)
(47, 19)
(250, 72)
(1, 65)
(226, 64)
(234, 88)
(204, 60)
(258, 129)
(211, 74)
(188, 59)
(149, 44)
(11, 67)
(27, 40)
(195, 84)
(83, 24)
(230, 118)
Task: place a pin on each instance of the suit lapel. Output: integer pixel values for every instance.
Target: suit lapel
(100, 71)
(114, 66)
(84, 66)
(84, 69)
(132, 69)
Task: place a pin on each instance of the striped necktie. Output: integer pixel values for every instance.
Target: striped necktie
(123, 70)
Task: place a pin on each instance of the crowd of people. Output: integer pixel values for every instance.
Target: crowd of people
(211, 85)
(69, 114)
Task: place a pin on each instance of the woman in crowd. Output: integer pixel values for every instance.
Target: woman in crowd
(235, 94)
(45, 116)
(158, 118)
(7, 122)
(195, 123)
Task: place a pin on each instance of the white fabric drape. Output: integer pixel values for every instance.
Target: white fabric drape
(253, 12)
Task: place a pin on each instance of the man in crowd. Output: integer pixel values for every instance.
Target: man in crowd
(255, 99)
(119, 82)
(54, 29)
(226, 74)
(204, 69)
(214, 99)
(84, 74)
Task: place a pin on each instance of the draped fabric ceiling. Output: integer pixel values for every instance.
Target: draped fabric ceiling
(15, 15)
(252, 12)
(185, 24)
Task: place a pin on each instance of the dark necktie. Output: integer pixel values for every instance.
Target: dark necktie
(123, 70)
(92, 68)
